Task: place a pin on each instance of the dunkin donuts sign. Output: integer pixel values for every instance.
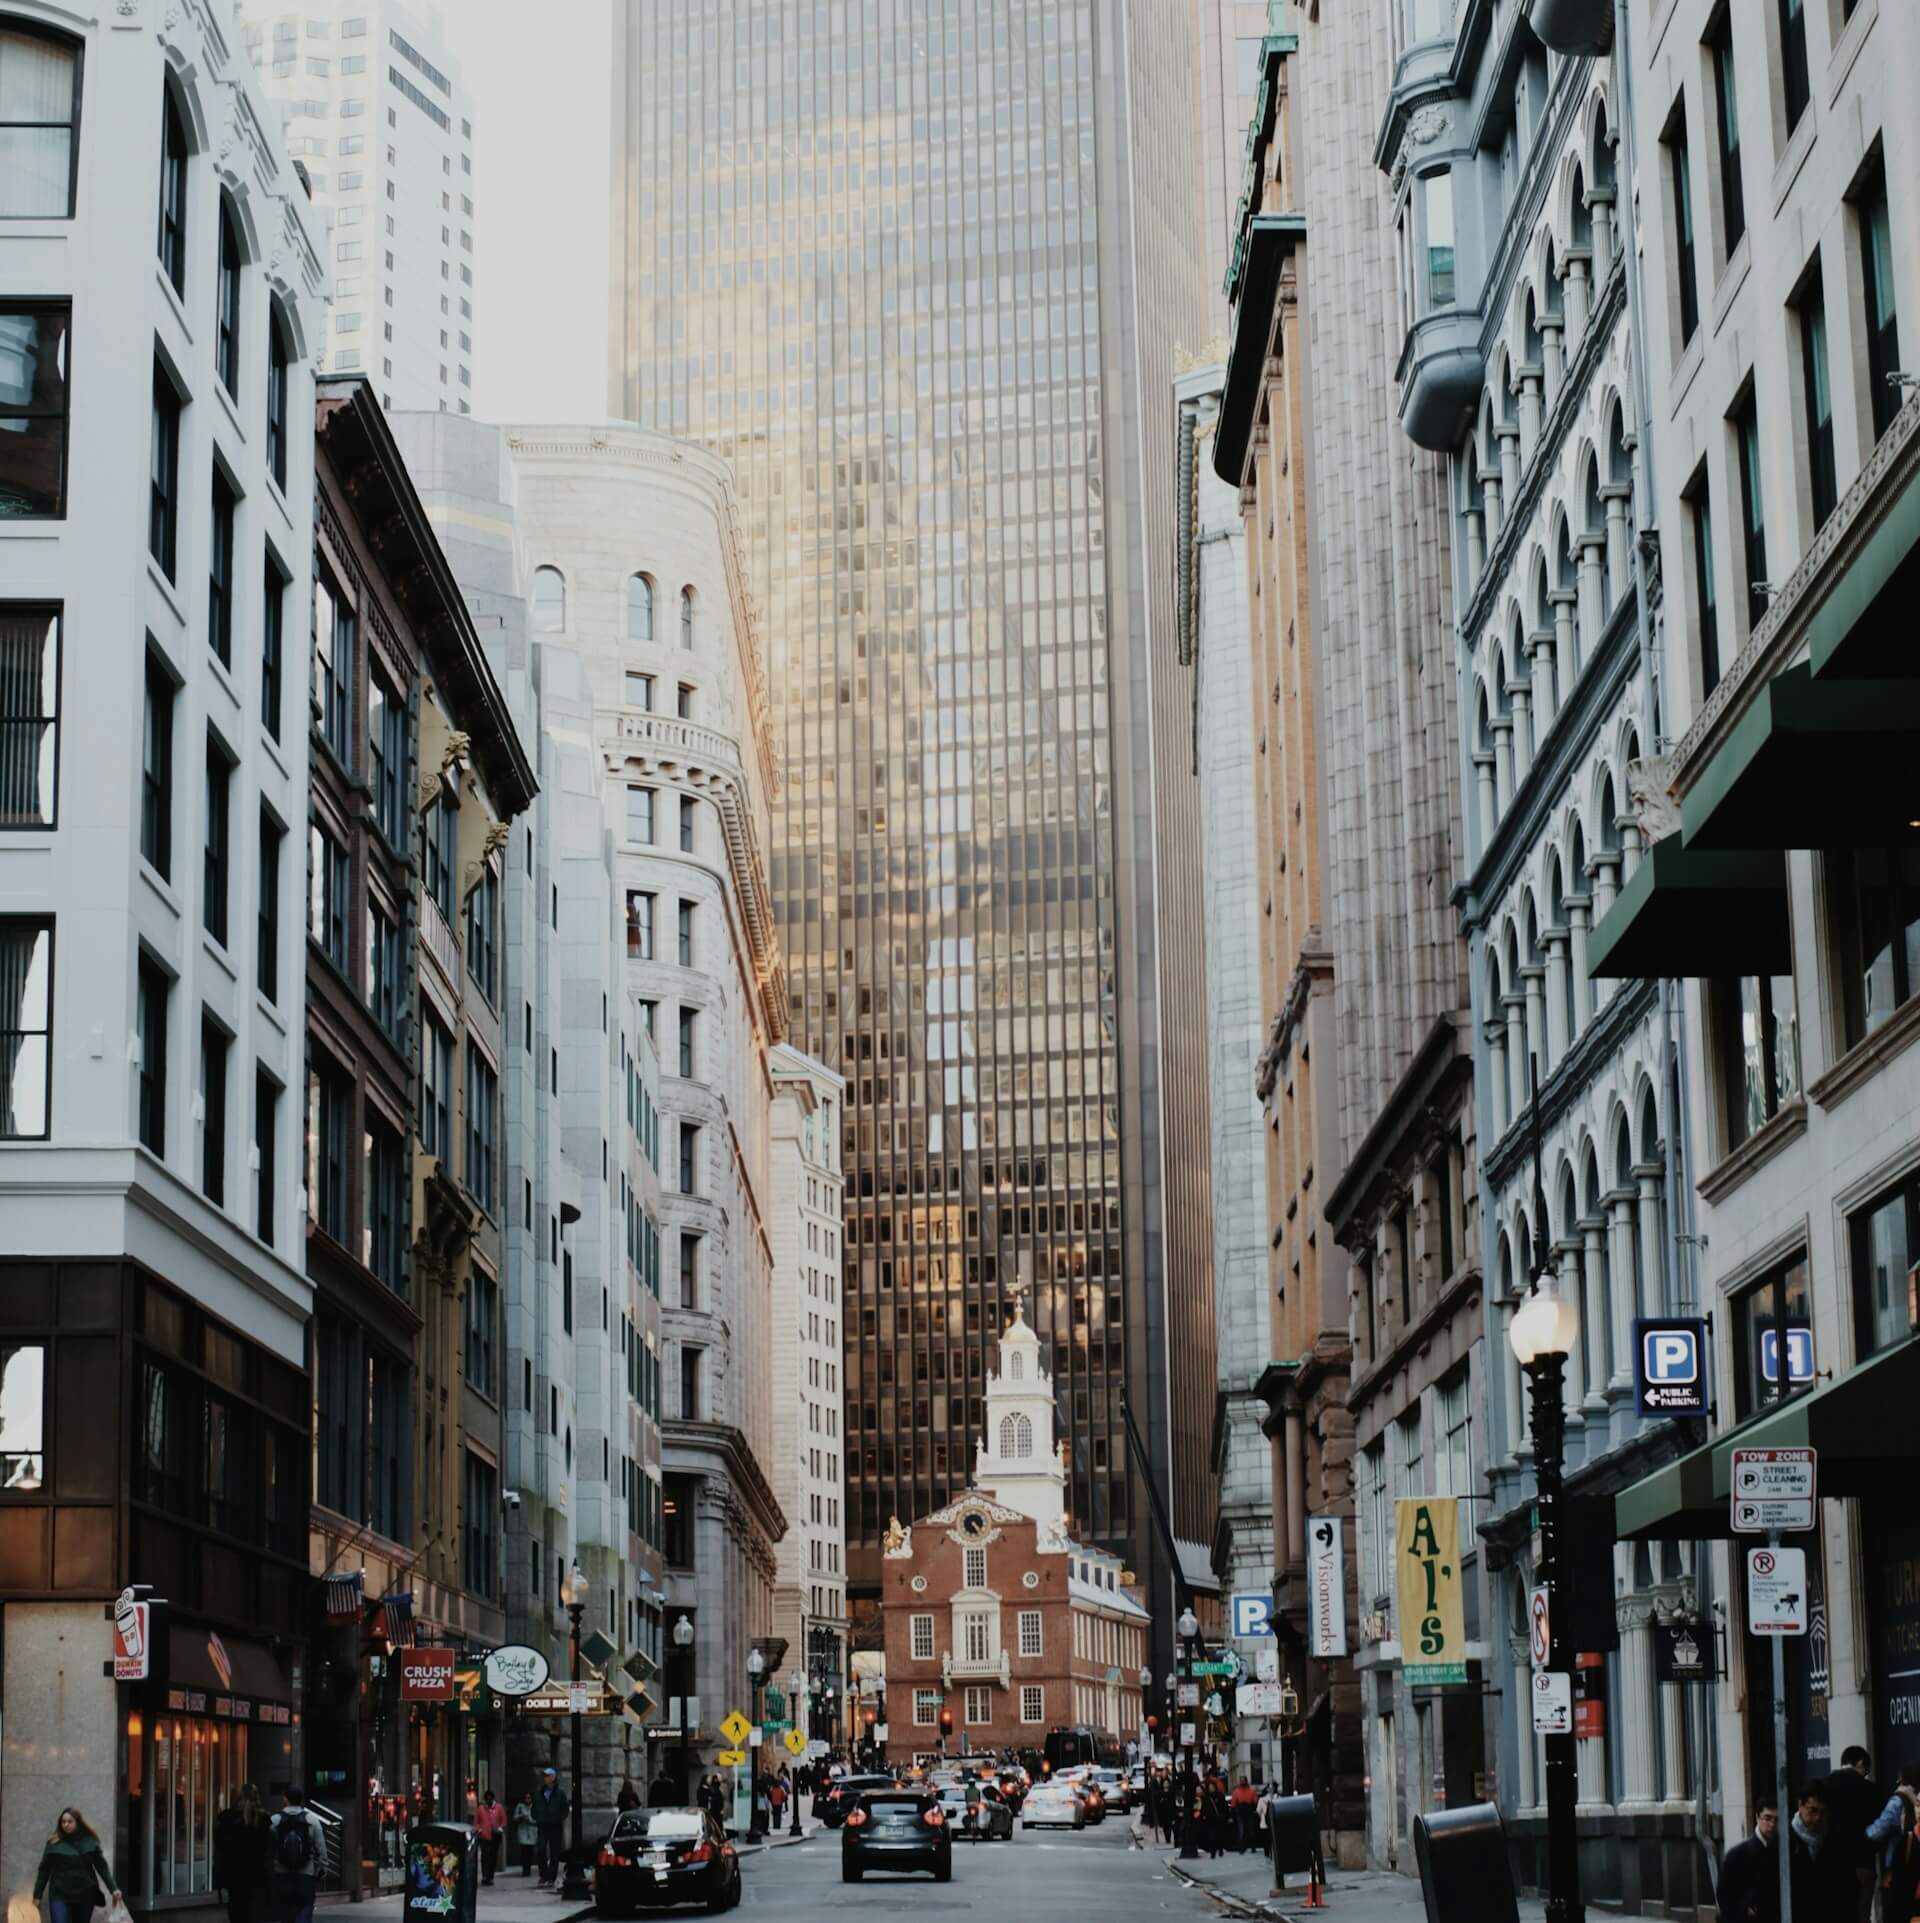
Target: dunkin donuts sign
(426, 1675)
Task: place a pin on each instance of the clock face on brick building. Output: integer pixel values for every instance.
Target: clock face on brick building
(973, 1524)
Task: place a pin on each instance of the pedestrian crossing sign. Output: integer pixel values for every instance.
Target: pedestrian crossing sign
(795, 1742)
(731, 1758)
(735, 1728)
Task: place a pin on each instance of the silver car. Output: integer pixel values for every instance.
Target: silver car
(1052, 1805)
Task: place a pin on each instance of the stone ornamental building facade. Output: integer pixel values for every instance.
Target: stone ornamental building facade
(993, 1611)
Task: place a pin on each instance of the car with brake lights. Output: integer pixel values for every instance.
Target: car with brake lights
(655, 1857)
(896, 1830)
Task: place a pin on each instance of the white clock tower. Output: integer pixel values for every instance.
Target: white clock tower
(1017, 1464)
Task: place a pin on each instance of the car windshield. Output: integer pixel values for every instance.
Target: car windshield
(658, 1825)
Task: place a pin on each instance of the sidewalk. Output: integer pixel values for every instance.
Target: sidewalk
(1243, 1886)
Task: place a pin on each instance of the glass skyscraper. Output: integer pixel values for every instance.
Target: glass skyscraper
(918, 269)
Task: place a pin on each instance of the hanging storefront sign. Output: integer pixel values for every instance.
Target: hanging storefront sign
(515, 1670)
(426, 1674)
(132, 1640)
(1326, 1587)
(1683, 1653)
(1432, 1617)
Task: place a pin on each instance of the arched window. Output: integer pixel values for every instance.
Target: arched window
(1022, 1435)
(549, 601)
(227, 302)
(639, 608)
(686, 617)
(1006, 1437)
(1016, 1366)
(277, 398)
(39, 121)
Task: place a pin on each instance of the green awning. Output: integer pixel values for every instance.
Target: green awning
(1854, 1422)
(1829, 763)
(1687, 911)
(1864, 627)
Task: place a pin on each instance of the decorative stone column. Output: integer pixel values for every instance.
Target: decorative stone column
(1577, 907)
(1530, 411)
(1647, 1178)
(1509, 438)
(1621, 1258)
(1608, 1373)
(1578, 1390)
(1491, 499)
(1558, 1040)
(1605, 870)
(1566, 641)
(1616, 496)
(1675, 1763)
(1496, 1037)
(1484, 791)
(1296, 1490)
(1534, 976)
(1520, 701)
(1552, 365)
(1600, 206)
(1515, 1004)
(1526, 1743)
(1501, 728)
(1476, 548)
(1591, 1797)
(1630, 845)
(1592, 592)
(1546, 698)
(1638, 1707)
(1573, 273)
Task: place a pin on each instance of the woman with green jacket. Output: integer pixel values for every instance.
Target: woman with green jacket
(74, 1873)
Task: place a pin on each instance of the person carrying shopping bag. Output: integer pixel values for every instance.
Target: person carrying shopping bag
(74, 1875)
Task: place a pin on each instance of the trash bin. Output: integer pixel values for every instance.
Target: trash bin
(1293, 1834)
(1464, 1866)
(443, 1873)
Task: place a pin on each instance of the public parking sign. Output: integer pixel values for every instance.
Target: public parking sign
(1670, 1365)
(1252, 1612)
(1799, 1356)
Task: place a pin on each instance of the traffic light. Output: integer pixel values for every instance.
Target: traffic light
(946, 1723)
(872, 1718)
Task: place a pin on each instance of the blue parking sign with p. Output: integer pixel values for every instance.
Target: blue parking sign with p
(1670, 1366)
(1252, 1613)
(1799, 1356)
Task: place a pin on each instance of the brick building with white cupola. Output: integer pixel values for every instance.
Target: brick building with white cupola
(993, 1611)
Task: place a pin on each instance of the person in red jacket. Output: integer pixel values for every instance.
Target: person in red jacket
(490, 1819)
(1246, 1814)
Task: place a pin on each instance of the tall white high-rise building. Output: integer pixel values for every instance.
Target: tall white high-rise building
(378, 116)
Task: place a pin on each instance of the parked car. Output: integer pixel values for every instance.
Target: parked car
(896, 1829)
(658, 1856)
(845, 1794)
(1053, 1805)
(976, 1813)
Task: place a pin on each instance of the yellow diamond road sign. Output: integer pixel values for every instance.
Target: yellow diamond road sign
(735, 1728)
(795, 1742)
(731, 1758)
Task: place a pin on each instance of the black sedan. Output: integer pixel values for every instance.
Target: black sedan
(654, 1857)
(896, 1829)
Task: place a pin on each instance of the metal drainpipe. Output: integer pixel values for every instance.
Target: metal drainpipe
(1684, 1245)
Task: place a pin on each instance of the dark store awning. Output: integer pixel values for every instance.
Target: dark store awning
(1692, 912)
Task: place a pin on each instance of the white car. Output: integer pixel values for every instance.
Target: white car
(1053, 1805)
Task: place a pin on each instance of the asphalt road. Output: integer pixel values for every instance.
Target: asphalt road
(1091, 1877)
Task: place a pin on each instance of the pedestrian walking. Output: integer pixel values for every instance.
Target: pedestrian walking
(242, 1857)
(1750, 1876)
(299, 1855)
(74, 1875)
(1896, 1840)
(526, 1834)
(550, 1807)
(1246, 1815)
(489, 1820)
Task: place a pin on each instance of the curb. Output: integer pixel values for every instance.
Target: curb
(1237, 1906)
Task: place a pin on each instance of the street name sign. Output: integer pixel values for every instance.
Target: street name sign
(1225, 1667)
(1552, 1703)
(1773, 1489)
(1777, 1592)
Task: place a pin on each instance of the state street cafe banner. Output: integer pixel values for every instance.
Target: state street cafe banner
(1432, 1614)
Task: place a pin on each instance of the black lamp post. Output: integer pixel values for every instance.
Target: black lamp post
(796, 1679)
(575, 1886)
(683, 1642)
(1189, 1628)
(1542, 1336)
(756, 1675)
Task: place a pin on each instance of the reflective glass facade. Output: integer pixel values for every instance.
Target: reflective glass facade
(876, 253)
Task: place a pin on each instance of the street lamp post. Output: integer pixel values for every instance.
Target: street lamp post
(575, 1886)
(1189, 1628)
(683, 1641)
(1542, 1335)
(796, 1681)
(756, 1673)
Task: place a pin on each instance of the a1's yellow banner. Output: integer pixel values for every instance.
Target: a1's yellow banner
(1432, 1618)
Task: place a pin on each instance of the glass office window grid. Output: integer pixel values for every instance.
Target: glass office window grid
(862, 263)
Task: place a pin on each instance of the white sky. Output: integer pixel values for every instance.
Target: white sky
(538, 71)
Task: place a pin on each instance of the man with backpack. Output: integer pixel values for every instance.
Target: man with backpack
(298, 1855)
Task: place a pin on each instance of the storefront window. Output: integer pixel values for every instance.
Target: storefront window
(1875, 897)
(189, 1771)
(1779, 1298)
(1886, 1275)
(1759, 1050)
(23, 1413)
